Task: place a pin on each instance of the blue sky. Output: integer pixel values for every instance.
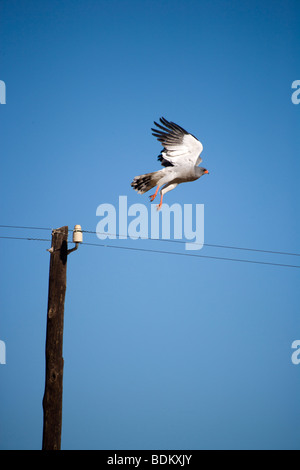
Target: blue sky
(161, 351)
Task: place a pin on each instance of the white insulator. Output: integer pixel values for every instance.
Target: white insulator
(77, 234)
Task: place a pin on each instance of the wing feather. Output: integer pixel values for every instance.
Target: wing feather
(180, 147)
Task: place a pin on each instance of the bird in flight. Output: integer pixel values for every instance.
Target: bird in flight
(180, 158)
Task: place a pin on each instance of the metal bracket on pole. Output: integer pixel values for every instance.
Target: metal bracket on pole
(77, 238)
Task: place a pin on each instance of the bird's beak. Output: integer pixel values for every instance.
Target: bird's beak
(206, 172)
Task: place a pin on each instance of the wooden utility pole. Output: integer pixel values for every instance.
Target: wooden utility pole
(52, 401)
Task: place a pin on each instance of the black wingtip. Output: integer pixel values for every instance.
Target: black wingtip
(168, 132)
(163, 120)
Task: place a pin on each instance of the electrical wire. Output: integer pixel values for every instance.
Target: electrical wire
(24, 227)
(162, 240)
(161, 252)
(28, 238)
(190, 255)
(195, 243)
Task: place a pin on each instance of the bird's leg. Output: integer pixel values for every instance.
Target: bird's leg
(158, 207)
(168, 187)
(154, 195)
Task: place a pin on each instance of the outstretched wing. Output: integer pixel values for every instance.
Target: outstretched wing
(180, 147)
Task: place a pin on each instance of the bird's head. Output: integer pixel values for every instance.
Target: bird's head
(203, 171)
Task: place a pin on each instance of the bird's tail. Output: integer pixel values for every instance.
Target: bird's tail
(143, 183)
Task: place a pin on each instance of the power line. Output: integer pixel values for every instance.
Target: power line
(190, 255)
(24, 227)
(28, 238)
(147, 250)
(195, 243)
(162, 240)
